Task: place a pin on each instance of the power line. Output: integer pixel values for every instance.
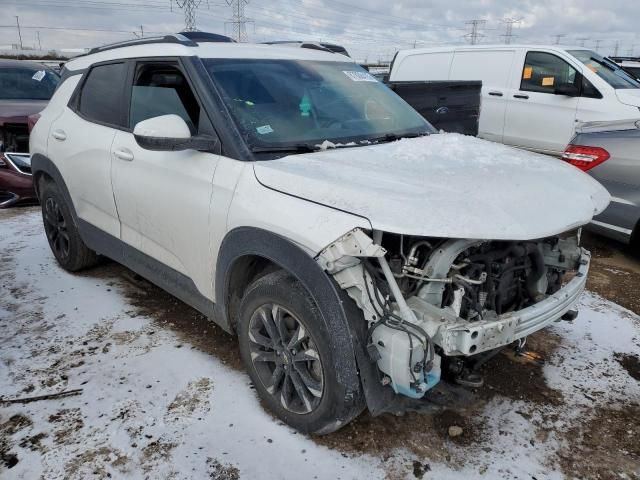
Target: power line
(238, 20)
(475, 34)
(19, 32)
(75, 29)
(508, 35)
(598, 42)
(189, 7)
(581, 41)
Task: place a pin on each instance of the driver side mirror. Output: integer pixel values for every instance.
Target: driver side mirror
(170, 133)
(567, 89)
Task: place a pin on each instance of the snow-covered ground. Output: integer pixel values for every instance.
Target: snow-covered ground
(155, 404)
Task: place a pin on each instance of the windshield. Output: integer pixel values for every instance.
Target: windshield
(609, 71)
(21, 83)
(279, 104)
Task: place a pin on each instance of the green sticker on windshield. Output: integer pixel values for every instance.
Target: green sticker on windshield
(305, 106)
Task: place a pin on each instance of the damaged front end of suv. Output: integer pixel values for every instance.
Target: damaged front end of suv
(436, 302)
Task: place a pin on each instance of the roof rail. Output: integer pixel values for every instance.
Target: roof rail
(188, 39)
(173, 38)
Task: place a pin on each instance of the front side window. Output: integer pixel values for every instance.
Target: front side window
(101, 95)
(609, 71)
(21, 83)
(293, 103)
(544, 72)
(162, 89)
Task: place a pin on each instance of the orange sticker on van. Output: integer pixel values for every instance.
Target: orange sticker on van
(527, 73)
(548, 81)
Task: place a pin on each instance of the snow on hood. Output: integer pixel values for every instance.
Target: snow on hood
(629, 96)
(443, 185)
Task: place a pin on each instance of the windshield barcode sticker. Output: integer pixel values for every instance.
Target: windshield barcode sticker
(264, 130)
(359, 76)
(39, 75)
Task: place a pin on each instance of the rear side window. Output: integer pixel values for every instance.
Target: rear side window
(101, 98)
(543, 72)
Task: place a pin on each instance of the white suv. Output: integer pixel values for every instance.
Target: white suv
(302, 205)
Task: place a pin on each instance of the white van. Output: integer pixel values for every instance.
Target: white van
(532, 96)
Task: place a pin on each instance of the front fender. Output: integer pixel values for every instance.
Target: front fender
(250, 241)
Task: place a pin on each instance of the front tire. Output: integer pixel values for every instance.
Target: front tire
(286, 351)
(62, 233)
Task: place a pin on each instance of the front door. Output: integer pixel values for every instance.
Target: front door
(537, 118)
(163, 198)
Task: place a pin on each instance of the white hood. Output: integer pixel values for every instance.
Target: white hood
(629, 96)
(443, 185)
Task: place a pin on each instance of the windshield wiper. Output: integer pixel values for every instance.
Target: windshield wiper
(297, 148)
(392, 137)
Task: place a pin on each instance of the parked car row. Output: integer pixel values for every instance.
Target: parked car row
(25, 89)
(534, 97)
(360, 256)
(610, 152)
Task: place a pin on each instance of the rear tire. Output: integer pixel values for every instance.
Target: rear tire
(62, 233)
(288, 356)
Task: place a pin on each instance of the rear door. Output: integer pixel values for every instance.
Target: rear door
(80, 143)
(536, 117)
(493, 68)
(163, 198)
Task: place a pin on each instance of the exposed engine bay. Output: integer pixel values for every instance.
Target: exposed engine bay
(430, 299)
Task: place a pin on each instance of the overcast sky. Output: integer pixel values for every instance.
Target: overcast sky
(370, 29)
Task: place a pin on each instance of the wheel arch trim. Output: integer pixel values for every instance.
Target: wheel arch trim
(41, 164)
(249, 241)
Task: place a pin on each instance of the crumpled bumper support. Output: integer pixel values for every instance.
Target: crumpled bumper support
(465, 339)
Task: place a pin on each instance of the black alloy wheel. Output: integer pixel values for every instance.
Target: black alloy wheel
(56, 228)
(286, 358)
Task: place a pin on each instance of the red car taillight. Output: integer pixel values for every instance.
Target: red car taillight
(585, 158)
(32, 120)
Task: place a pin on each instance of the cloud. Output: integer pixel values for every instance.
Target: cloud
(371, 30)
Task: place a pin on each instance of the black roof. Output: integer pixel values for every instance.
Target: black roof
(331, 47)
(207, 37)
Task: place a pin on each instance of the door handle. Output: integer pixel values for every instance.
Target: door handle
(495, 94)
(523, 97)
(59, 135)
(124, 154)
